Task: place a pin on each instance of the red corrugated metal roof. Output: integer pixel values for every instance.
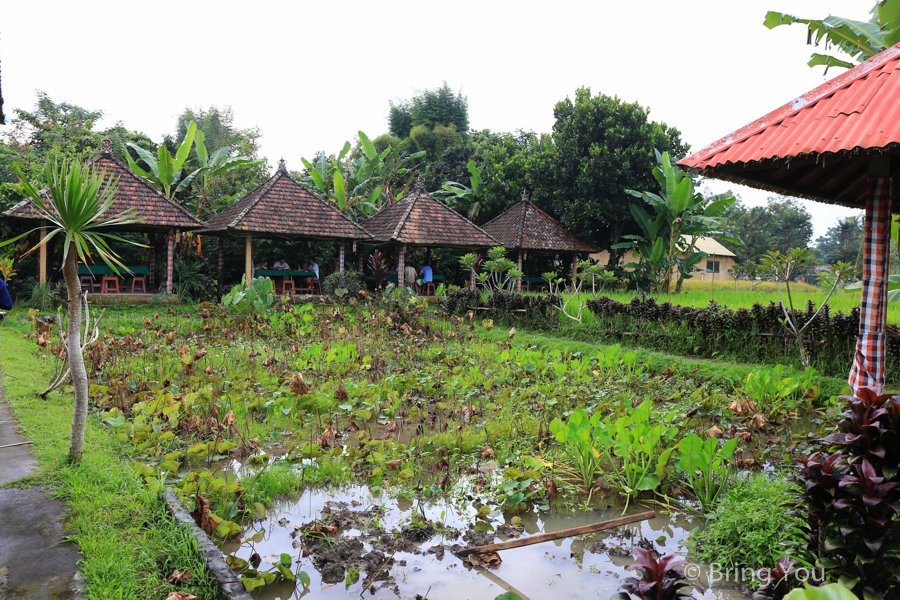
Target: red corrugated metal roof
(856, 110)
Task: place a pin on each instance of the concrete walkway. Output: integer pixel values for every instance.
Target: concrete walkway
(34, 564)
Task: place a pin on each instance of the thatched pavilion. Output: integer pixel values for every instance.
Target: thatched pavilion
(419, 219)
(834, 144)
(526, 228)
(156, 212)
(282, 208)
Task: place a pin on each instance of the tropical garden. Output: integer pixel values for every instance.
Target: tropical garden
(361, 441)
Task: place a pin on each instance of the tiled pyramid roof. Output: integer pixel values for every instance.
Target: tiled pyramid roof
(421, 220)
(526, 227)
(155, 210)
(284, 207)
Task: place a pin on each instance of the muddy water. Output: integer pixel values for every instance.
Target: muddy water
(569, 568)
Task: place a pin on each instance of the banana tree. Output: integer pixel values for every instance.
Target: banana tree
(165, 169)
(682, 216)
(358, 186)
(461, 198)
(216, 165)
(859, 39)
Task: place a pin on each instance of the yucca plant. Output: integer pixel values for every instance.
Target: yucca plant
(75, 204)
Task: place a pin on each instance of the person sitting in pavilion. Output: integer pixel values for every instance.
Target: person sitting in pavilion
(426, 275)
(282, 265)
(311, 266)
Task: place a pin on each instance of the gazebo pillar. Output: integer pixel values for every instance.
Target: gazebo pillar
(362, 259)
(472, 278)
(169, 260)
(341, 258)
(519, 283)
(868, 362)
(574, 270)
(43, 253)
(152, 260)
(401, 267)
(221, 254)
(248, 261)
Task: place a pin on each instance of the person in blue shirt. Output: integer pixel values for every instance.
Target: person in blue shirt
(5, 299)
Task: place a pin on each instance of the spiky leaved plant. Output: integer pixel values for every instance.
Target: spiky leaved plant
(75, 202)
(850, 500)
(661, 579)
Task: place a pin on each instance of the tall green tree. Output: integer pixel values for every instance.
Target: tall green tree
(75, 212)
(54, 131)
(429, 108)
(842, 241)
(783, 223)
(860, 40)
(603, 147)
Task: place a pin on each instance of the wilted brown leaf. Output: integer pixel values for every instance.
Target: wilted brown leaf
(391, 426)
(552, 490)
(487, 452)
(181, 596)
(181, 576)
(758, 421)
(490, 559)
(714, 432)
(512, 333)
(298, 385)
(201, 514)
(340, 394)
(744, 435)
(393, 465)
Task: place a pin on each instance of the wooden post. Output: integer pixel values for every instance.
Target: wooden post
(519, 283)
(558, 535)
(574, 270)
(401, 267)
(170, 257)
(341, 260)
(362, 259)
(152, 260)
(248, 261)
(221, 254)
(43, 272)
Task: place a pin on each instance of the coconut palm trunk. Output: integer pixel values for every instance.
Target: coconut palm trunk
(75, 356)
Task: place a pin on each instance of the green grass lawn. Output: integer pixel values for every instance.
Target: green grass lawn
(129, 545)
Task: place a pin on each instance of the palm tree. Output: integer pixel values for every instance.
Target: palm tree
(74, 203)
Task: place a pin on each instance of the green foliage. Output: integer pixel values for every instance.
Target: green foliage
(783, 223)
(831, 591)
(259, 296)
(165, 169)
(344, 285)
(748, 529)
(778, 389)
(430, 108)
(577, 438)
(359, 185)
(842, 242)
(76, 211)
(498, 273)
(191, 282)
(859, 39)
(682, 215)
(707, 467)
(602, 147)
(461, 198)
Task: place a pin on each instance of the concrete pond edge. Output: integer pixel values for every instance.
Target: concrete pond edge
(230, 587)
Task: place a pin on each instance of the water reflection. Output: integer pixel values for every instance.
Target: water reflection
(568, 568)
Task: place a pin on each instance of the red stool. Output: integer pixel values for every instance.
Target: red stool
(429, 288)
(138, 279)
(288, 286)
(109, 285)
(315, 285)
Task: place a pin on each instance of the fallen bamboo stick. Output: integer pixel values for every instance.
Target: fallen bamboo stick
(557, 535)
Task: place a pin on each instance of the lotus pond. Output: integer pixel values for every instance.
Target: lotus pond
(335, 449)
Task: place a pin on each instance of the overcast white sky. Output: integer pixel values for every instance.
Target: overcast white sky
(312, 74)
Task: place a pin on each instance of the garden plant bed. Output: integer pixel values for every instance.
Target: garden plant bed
(321, 438)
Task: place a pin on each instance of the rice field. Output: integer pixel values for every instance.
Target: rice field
(699, 293)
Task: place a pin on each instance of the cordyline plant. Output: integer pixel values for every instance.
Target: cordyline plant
(849, 500)
(782, 268)
(660, 579)
(75, 207)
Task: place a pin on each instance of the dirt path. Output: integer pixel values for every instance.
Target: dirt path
(34, 564)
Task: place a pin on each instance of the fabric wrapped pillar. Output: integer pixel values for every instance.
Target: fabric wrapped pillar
(248, 261)
(401, 267)
(341, 262)
(472, 278)
(43, 269)
(868, 362)
(169, 260)
(519, 282)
